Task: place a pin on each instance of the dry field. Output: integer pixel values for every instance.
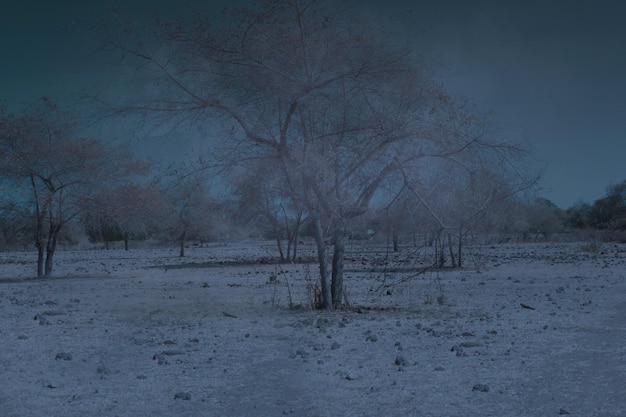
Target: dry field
(523, 330)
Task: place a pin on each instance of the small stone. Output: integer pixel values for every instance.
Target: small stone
(160, 359)
(335, 345)
(182, 396)
(172, 352)
(64, 356)
(22, 337)
(372, 338)
(102, 370)
(401, 361)
(480, 388)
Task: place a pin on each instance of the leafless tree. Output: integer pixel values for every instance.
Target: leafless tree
(327, 96)
(192, 211)
(53, 168)
(264, 200)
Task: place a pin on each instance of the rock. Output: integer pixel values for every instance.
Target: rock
(160, 359)
(459, 351)
(63, 356)
(470, 344)
(102, 370)
(172, 352)
(53, 313)
(370, 337)
(480, 388)
(401, 361)
(182, 396)
(335, 345)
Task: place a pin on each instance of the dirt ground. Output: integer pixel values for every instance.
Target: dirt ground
(523, 330)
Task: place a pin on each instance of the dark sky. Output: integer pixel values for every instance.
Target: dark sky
(552, 72)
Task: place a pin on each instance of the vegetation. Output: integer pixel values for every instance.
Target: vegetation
(325, 129)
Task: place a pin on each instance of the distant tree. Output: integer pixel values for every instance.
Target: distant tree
(325, 96)
(544, 218)
(461, 193)
(192, 211)
(579, 216)
(15, 225)
(265, 201)
(42, 151)
(608, 212)
(124, 212)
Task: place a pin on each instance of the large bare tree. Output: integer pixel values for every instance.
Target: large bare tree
(326, 96)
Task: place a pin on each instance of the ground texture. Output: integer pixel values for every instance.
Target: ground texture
(523, 330)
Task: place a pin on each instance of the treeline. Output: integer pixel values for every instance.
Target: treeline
(606, 213)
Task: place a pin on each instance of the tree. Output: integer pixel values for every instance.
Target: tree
(608, 212)
(124, 212)
(191, 209)
(325, 96)
(544, 218)
(266, 202)
(15, 225)
(41, 150)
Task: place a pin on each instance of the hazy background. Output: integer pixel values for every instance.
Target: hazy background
(552, 73)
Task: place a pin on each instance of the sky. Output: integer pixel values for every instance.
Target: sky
(551, 73)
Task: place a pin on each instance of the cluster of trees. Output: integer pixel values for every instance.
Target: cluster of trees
(52, 176)
(607, 213)
(328, 114)
(324, 120)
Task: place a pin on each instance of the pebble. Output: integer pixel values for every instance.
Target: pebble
(182, 396)
(63, 356)
(480, 388)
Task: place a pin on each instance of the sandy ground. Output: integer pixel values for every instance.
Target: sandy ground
(523, 330)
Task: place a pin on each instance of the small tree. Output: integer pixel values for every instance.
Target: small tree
(264, 200)
(191, 210)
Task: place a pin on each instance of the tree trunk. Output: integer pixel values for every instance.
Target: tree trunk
(325, 301)
(126, 239)
(40, 249)
(451, 249)
(296, 236)
(183, 238)
(337, 273)
(40, 260)
(460, 251)
(51, 245)
(396, 241)
(280, 248)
